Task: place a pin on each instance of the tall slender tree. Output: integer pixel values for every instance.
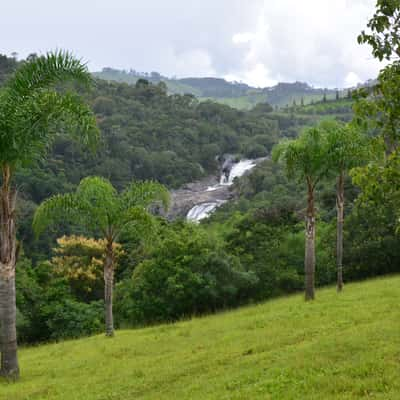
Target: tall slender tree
(31, 113)
(105, 213)
(347, 149)
(304, 159)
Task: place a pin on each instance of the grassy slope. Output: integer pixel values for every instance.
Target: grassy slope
(338, 347)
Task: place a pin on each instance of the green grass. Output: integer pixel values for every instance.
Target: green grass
(241, 102)
(343, 346)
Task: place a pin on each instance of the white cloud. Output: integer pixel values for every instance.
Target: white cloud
(258, 41)
(257, 76)
(352, 79)
(242, 37)
(198, 61)
(311, 40)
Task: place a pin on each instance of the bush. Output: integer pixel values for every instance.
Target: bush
(187, 274)
(72, 319)
(270, 242)
(47, 310)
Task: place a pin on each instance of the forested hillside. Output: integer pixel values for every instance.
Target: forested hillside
(235, 94)
(182, 218)
(250, 249)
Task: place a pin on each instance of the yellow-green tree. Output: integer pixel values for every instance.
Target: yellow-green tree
(98, 206)
(80, 260)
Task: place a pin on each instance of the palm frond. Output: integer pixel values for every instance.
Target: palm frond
(137, 221)
(144, 194)
(46, 71)
(32, 111)
(33, 125)
(304, 156)
(55, 209)
(98, 206)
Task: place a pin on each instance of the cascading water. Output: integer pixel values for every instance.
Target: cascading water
(237, 171)
(203, 210)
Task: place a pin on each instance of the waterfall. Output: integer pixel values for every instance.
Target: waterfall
(237, 171)
(203, 210)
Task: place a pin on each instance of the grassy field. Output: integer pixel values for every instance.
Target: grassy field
(343, 346)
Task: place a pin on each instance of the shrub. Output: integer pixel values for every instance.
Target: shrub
(188, 273)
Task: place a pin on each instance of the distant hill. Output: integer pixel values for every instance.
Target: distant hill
(234, 94)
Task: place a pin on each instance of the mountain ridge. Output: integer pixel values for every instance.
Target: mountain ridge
(235, 94)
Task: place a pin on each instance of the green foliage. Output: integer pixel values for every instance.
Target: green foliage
(380, 185)
(32, 111)
(47, 308)
(257, 239)
(251, 248)
(187, 273)
(69, 318)
(347, 147)
(7, 67)
(270, 242)
(235, 94)
(378, 108)
(383, 35)
(98, 206)
(372, 243)
(304, 158)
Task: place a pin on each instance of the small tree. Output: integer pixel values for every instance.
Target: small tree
(105, 213)
(31, 112)
(304, 158)
(80, 260)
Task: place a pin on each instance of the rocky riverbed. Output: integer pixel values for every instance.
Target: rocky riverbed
(198, 200)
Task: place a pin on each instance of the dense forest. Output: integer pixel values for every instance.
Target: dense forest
(251, 249)
(129, 200)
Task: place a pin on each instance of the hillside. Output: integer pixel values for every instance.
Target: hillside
(338, 347)
(235, 94)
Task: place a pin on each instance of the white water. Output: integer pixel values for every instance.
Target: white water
(237, 171)
(201, 211)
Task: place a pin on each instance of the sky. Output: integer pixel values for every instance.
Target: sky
(259, 42)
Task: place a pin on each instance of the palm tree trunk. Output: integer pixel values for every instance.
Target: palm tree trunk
(309, 259)
(339, 233)
(8, 248)
(108, 288)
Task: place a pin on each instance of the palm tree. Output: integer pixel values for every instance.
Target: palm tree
(347, 149)
(102, 210)
(31, 112)
(304, 159)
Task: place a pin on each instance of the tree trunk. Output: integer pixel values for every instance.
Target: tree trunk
(339, 233)
(108, 288)
(8, 249)
(309, 259)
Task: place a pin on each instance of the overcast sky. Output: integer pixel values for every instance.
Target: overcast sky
(259, 42)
